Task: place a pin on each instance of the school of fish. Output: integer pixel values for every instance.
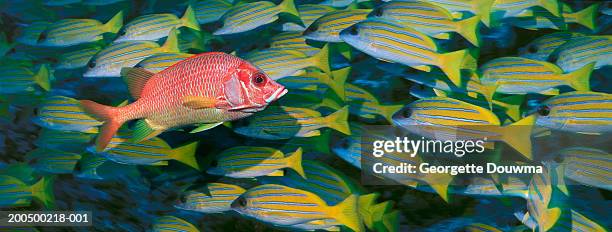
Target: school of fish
(230, 115)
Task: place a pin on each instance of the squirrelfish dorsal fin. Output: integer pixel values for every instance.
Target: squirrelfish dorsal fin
(135, 78)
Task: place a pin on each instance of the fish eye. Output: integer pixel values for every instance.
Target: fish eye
(13, 50)
(353, 30)
(558, 159)
(42, 36)
(345, 143)
(91, 64)
(552, 58)
(242, 201)
(259, 79)
(407, 113)
(121, 32)
(543, 110)
(378, 12)
(214, 163)
(532, 49)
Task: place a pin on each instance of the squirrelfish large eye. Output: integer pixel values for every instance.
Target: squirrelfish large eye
(259, 79)
(543, 110)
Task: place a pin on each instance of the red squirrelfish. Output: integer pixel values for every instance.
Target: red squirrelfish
(208, 88)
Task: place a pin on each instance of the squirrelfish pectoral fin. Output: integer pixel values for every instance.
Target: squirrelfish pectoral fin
(144, 131)
(199, 102)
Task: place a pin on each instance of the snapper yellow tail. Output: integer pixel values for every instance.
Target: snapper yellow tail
(518, 135)
(450, 63)
(186, 154)
(346, 213)
(339, 120)
(580, 79)
(294, 161)
(468, 28)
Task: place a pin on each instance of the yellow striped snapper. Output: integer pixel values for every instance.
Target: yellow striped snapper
(158, 62)
(327, 28)
(248, 16)
(172, 223)
(329, 184)
(538, 200)
(480, 8)
(542, 47)
(78, 58)
(517, 75)
(286, 206)
(585, 165)
(278, 64)
(68, 32)
(87, 167)
(16, 79)
(208, 11)
(293, 40)
(15, 193)
(212, 198)
(511, 8)
(391, 42)
(582, 112)
(308, 14)
(314, 81)
(580, 51)
(246, 162)
(65, 114)
(52, 161)
(429, 19)
(280, 122)
(156, 26)
(449, 119)
(109, 61)
(30, 33)
(154, 151)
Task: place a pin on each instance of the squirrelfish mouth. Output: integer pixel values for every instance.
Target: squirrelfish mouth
(277, 94)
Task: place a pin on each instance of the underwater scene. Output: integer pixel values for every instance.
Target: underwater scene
(305, 115)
